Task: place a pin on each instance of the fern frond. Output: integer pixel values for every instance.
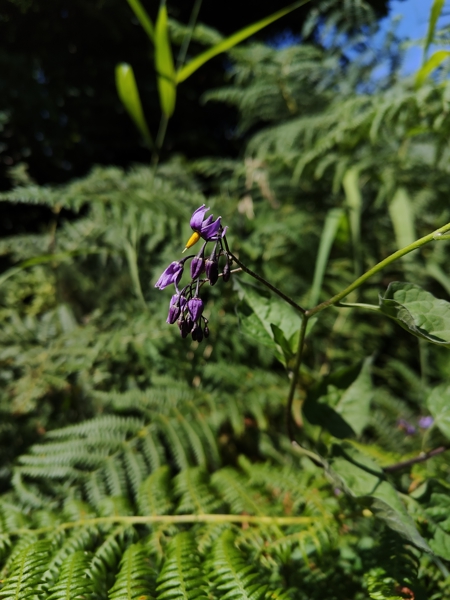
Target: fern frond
(195, 495)
(232, 575)
(25, 573)
(181, 576)
(136, 577)
(73, 581)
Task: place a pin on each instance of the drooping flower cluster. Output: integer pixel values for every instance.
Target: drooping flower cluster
(186, 307)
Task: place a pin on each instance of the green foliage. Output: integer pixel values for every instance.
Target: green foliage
(138, 465)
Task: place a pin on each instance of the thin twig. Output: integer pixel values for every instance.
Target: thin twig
(417, 459)
(274, 289)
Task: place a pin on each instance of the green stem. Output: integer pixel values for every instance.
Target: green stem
(435, 235)
(295, 375)
(187, 38)
(159, 140)
(170, 519)
(316, 459)
(264, 281)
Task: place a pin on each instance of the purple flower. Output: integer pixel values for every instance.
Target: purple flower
(195, 308)
(177, 303)
(426, 422)
(406, 427)
(172, 274)
(208, 229)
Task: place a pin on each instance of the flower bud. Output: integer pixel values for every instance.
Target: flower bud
(206, 331)
(176, 304)
(183, 327)
(197, 333)
(195, 307)
(197, 266)
(212, 270)
(226, 273)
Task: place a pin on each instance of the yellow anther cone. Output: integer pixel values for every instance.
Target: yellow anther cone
(192, 240)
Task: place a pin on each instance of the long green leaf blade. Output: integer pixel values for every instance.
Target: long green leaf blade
(143, 18)
(129, 96)
(327, 238)
(233, 40)
(401, 211)
(164, 64)
(436, 10)
(431, 65)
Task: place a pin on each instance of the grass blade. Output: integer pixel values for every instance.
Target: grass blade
(142, 17)
(327, 238)
(129, 96)
(164, 64)
(233, 40)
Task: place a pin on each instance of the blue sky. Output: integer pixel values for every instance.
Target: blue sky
(412, 25)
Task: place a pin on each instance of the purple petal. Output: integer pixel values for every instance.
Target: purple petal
(172, 274)
(426, 422)
(197, 217)
(195, 307)
(211, 231)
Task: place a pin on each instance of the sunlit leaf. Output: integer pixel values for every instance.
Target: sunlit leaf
(129, 96)
(233, 40)
(164, 64)
(436, 10)
(431, 65)
(142, 17)
(418, 311)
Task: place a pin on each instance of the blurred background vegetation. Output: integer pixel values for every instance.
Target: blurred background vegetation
(288, 136)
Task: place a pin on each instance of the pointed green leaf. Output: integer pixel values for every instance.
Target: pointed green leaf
(436, 10)
(418, 311)
(438, 403)
(129, 96)
(330, 228)
(142, 17)
(164, 64)
(269, 310)
(362, 478)
(431, 65)
(233, 40)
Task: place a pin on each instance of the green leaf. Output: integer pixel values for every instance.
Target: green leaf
(164, 64)
(327, 238)
(268, 311)
(142, 17)
(438, 403)
(354, 405)
(418, 311)
(362, 478)
(436, 10)
(431, 65)
(129, 96)
(282, 342)
(401, 211)
(350, 183)
(343, 414)
(233, 40)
